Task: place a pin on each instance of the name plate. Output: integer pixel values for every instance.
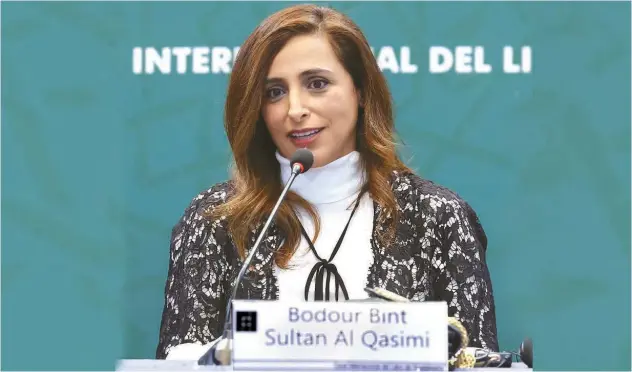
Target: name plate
(323, 336)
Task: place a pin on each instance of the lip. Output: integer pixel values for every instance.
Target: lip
(306, 140)
(299, 131)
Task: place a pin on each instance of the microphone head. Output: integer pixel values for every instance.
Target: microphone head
(304, 158)
(526, 352)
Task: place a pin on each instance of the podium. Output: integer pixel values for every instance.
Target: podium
(139, 365)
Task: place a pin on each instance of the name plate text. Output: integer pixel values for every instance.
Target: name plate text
(340, 335)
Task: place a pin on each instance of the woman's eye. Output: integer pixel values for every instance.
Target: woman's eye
(274, 93)
(318, 84)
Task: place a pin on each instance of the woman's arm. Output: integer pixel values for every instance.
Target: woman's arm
(194, 291)
(462, 278)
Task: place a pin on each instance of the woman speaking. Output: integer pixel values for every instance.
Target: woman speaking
(306, 78)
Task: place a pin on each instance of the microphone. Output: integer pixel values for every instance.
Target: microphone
(526, 352)
(301, 162)
(490, 359)
(220, 353)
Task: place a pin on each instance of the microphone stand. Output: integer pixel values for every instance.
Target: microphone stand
(224, 350)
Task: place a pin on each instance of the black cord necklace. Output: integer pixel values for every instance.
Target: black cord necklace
(326, 266)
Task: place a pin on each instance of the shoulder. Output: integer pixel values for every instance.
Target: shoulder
(195, 222)
(432, 201)
(205, 201)
(411, 187)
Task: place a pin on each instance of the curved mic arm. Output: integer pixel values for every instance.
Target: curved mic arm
(296, 170)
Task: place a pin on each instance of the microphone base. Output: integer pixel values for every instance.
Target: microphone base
(223, 353)
(220, 354)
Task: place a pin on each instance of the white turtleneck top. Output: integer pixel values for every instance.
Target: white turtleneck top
(332, 190)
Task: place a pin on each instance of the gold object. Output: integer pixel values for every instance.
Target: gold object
(461, 359)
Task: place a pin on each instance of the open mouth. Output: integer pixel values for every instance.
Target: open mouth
(304, 137)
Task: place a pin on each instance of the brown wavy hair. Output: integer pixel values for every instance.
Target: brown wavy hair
(255, 172)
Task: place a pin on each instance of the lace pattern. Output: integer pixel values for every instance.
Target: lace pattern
(438, 254)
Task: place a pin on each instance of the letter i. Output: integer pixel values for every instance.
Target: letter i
(137, 60)
(525, 60)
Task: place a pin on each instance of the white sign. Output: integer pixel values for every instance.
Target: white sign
(273, 335)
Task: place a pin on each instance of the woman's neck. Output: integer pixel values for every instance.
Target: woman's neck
(338, 180)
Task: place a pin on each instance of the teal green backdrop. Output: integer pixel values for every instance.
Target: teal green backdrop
(98, 164)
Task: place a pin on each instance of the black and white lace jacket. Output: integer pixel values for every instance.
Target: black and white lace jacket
(438, 255)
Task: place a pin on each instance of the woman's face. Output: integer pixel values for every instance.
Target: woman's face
(310, 101)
